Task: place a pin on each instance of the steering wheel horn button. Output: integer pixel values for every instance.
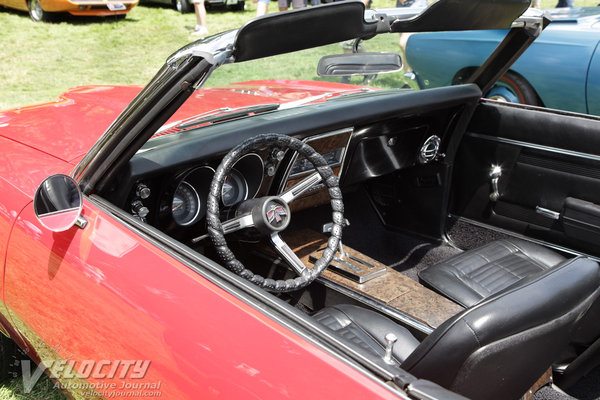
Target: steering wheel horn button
(276, 214)
(271, 214)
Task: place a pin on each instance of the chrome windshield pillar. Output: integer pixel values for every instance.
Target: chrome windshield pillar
(184, 71)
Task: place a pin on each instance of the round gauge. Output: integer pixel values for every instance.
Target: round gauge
(235, 189)
(185, 206)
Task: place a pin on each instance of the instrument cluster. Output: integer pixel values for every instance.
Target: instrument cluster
(176, 202)
(186, 205)
(181, 201)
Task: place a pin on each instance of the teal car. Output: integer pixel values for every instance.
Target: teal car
(560, 70)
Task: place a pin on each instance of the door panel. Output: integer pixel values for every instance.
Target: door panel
(545, 158)
(103, 295)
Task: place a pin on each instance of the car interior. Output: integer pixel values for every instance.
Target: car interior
(429, 253)
(469, 227)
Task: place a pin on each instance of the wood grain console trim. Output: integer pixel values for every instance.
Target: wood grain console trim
(393, 288)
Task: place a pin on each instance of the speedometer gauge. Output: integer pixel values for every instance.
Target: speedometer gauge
(185, 206)
(235, 189)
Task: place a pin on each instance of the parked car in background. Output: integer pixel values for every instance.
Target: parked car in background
(184, 240)
(45, 10)
(185, 6)
(560, 70)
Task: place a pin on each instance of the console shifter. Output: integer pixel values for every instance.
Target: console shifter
(349, 265)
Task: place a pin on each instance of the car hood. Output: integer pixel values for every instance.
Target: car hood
(581, 16)
(67, 127)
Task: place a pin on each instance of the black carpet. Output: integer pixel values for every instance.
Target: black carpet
(402, 252)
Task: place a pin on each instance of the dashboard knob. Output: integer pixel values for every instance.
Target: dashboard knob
(142, 191)
(278, 154)
(138, 208)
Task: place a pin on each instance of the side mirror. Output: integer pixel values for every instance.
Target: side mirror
(359, 64)
(58, 202)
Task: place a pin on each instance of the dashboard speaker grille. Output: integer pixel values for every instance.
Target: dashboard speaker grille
(430, 149)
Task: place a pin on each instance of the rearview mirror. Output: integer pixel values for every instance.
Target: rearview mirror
(57, 203)
(359, 64)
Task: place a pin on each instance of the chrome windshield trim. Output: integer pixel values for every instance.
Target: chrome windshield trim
(216, 49)
(185, 70)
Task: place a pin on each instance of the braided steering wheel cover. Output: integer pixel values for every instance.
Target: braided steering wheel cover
(215, 228)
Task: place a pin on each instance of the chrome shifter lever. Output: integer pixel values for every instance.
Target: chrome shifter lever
(495, 175)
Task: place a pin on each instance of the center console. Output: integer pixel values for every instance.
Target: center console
(373, 283)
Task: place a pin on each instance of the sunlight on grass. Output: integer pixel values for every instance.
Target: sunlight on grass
(40, 61)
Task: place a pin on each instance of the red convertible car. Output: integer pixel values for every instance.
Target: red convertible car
(304, 238)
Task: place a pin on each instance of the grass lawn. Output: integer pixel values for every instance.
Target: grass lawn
(41, 60)
(43, 390)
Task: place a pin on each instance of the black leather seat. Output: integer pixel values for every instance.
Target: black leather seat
(367, 329)
(469, 277)
(495, 349)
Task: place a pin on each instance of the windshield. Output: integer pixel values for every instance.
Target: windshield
(284, 81)
(302, 65)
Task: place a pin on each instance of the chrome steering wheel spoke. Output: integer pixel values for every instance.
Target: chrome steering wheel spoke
(282, 248)
(296, 190)
(238, 223)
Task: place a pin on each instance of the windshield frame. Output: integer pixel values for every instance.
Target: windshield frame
(188, 68)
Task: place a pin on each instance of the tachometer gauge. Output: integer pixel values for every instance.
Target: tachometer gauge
(185, 206)
(235, 189)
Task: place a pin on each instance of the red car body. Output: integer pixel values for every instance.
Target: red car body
(140, 295)
(106, 292)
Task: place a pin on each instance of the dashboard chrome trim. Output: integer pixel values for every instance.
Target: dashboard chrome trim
(287, 175)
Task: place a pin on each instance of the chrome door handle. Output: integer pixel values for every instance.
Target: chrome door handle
(547, 213)
(495, 175)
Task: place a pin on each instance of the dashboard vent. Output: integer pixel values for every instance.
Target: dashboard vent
(430, 149)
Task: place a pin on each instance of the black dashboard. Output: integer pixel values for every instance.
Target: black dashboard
(361, 136)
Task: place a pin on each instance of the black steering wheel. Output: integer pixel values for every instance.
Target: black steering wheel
(271, 214)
